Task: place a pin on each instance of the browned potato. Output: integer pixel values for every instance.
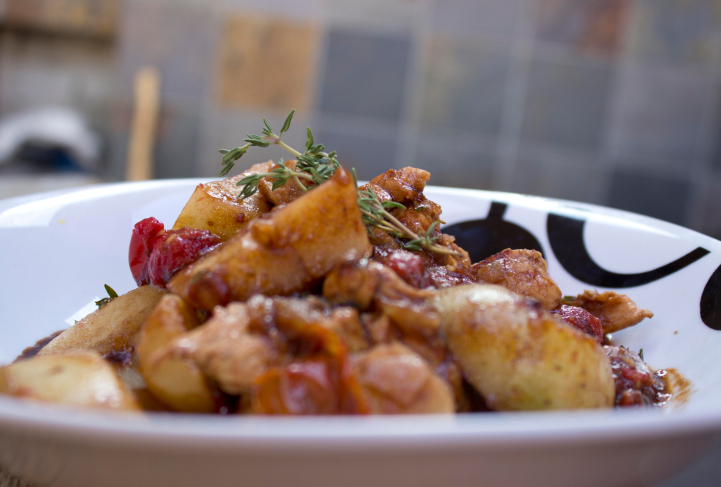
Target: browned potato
(174, 380)
(519, 356)
(113, 327)
(282, 253)
(77, 379)
(215, 206)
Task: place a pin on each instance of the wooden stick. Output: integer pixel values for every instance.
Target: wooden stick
(144, 125)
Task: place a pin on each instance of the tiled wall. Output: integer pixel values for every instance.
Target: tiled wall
(614, 102)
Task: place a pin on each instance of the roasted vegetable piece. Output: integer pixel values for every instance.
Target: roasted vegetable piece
(112, 328)
(175, 380)
(285, 252)
(215, 206)
(520, 357)
(76, 379)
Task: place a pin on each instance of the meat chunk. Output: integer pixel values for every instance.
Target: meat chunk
(636, 384)
(522, 271)
(616, 311)
(243, 341)
(395, 380)
(227, 351)
(405, 186)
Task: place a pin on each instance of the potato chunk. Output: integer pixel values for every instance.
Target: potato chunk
(77, 379)
(519, 356)
(285, 252)
(174, 380)
(114, 327)
(215, 206)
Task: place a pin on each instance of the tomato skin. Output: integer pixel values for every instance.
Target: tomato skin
(581, 319)
(141, 245)
(175, 249)
(156, 254)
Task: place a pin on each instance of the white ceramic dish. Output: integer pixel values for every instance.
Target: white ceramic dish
(58, 250)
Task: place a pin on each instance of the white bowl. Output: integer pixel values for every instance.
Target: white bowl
(58, 250)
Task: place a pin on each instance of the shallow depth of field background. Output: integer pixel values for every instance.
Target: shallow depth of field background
(614, 102)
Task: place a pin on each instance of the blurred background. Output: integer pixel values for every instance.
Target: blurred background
(614, 102)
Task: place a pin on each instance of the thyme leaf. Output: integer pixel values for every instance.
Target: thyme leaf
(111, 295)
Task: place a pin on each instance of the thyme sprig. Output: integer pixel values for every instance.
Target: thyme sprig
(376, 214)
(111, 295)
(315, 166)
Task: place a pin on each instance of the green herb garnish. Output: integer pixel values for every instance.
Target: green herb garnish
(111, 295)
(315, 166)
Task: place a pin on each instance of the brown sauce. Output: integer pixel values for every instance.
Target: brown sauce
(33, 350)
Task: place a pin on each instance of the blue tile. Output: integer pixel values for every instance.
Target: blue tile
(679, 31)
(365, 75)
(464, 88)
(490, 19)
(566, 103)
(661, 114)
(456, 165)
(179, 40)
(653, 195)
(586, 25)
(575, 177)
(176, 146)
(369, 153)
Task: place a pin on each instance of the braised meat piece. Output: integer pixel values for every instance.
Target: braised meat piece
(395, 380)
(636, 383)
(616, 311)
(522, 271)
(405, 186)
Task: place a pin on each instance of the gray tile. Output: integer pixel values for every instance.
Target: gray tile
(300, 9)
(365, 75)
(707, 217)
(177, 141)
(661, 113)
(495, 19)
(586, 25)
(41, 71)
(544, 172)
(566, 103)
(400, 13)
(653, 195)
(179, 40)
(455, 165)
(369, 153)
(464, 88)
(679, 31)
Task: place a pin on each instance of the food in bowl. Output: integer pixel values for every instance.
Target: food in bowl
(306, 294)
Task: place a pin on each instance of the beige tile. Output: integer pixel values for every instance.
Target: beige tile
(267, 63)
(96, 18)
